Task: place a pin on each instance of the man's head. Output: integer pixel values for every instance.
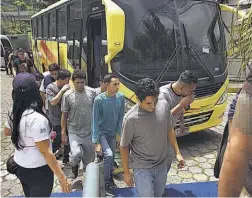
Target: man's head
(112, 82)
(147, 93)
(20, 54)
(187, 83)
(54, 69)
(63, 77)
(103, 85)
(79, 78)
(39, 77)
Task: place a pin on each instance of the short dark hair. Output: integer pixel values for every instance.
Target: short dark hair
(188, 77)
(79, 73)
(102, 77)
(146, 87)
(39, 76)
(107, 78)
(54, 67)
(63, 74)
(20, 50)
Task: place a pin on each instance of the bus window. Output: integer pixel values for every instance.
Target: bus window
(74, 32)
(34, 28)
(52, 25)
(39, 27)
(61, 23)
(73, 54)
(45, 26)
(75, 10)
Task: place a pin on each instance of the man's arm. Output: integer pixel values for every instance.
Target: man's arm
(239, 150)
(54, 100)
(14, 69)
(173, 141)
(42, 92)
(127, 136)
(95, 121)
(120, 120)
(64, 117)
(65, 107)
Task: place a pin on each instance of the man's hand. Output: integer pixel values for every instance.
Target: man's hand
(186, 101)
(98, 149)
(181, 161)
(65, 88)
(128, 179)
(64, 138)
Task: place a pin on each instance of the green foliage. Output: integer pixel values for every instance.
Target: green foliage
(9, 26)
(241, 37)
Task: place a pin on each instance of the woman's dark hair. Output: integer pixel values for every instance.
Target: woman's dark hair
(78, 73)
(23, 100)
(146, 87)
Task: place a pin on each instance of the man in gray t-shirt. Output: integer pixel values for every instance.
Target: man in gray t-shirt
(180, 95)
(146, 128)
(76, 107)
(54, 93)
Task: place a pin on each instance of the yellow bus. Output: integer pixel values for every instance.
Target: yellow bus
(137, 39)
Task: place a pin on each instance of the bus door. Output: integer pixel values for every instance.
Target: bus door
(96, 45)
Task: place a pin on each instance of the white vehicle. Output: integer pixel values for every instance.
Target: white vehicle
(5, 47)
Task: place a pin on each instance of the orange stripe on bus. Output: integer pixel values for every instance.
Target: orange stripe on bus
(48, 53)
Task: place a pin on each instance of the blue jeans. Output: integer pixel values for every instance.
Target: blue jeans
(150, 182)
(108, 148)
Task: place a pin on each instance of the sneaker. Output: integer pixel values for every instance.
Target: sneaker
(75, 170)
(112, 183)
(58, 154)
(108, 191)
(115, 165)
(65, 160)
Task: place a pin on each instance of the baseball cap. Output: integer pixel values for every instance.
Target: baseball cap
(24, 82)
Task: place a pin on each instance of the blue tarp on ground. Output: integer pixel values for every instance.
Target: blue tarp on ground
(197, 189)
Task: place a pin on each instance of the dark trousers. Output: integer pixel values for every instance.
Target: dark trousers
(57, 142)
(36, 182)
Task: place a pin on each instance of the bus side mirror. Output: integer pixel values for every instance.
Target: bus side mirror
(115, 23)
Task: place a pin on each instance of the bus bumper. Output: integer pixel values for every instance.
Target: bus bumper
(204, 120)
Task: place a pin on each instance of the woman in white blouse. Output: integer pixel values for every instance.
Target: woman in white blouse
(30, 131)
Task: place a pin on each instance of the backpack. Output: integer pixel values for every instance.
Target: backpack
(218, 163)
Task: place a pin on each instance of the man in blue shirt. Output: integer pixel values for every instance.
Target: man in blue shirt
(108, 112)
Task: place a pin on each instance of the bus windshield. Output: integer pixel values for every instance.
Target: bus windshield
(177, 35)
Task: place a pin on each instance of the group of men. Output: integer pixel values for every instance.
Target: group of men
(19, 60)
(87, 121)
(78, 112)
